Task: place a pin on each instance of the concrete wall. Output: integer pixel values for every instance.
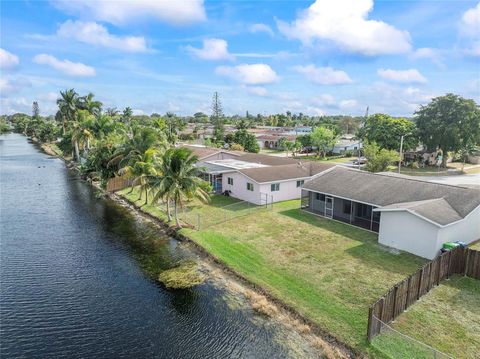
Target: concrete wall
(466, 231)
(405, 231)
(288, 189)
(239, 188)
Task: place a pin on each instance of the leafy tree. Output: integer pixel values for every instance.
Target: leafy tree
(324, 139)
(247, 140)
(448, 123)
(35, 109)
(237, 147)
(387, 132)
(127, 114)
(4, 127)
(378, 159)
(217, 118)
(289, 146)
(112, 111)
(305, 140)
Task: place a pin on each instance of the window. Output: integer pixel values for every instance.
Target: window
(275, 187)
(249, 186)
(300, 183)
(362, 210)
(230, 181)
(320, 197)
(347, 207)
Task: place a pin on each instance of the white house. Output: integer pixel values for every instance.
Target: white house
(346, 143)
(408, 214)
(253, 177)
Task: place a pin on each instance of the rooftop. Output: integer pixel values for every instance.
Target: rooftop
(397, 192)
(285, 172)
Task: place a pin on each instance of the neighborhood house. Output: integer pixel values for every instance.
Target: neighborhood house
(408, 214)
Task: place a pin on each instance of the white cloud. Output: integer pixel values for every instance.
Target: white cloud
(127, 11)
(430, 54)
(255, 74)
(8, 60)
(470, 29)
(314, 111)
(324, 75)
(9, 86)
(470, 23)
(213, 49)
(96, 34)
(10, 106)
(345, 23)
(65, 66)
(257, 90)
(324, 100)
(348, 103)
(261, 28)
(405, 76)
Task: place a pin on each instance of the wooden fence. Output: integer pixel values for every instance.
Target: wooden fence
(118, 183)
(463, 261)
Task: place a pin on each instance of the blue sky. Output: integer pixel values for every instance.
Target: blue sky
(322, 57)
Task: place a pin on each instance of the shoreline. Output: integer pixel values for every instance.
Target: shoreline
(282, 313)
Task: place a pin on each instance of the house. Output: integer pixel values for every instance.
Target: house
(268, 184)
(347, 143)
(408, 214)
(271, 141)
(254, 177)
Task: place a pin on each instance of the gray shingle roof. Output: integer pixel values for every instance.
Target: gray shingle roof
(384, 190)
(285, 172)
(437, 210)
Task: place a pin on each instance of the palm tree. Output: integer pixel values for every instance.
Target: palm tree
(92, 106)
(140, 170)
(68, 106)
(179, 179)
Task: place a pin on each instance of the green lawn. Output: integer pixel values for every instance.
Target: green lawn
(328, 271)
(447, 318)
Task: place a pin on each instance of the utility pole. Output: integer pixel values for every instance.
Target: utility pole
(401, 148)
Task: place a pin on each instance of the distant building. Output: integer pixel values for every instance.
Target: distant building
(347, 143)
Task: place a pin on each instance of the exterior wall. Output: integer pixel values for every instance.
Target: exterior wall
(239, 188)
(405, 231)
(466, 231)
(288, 190)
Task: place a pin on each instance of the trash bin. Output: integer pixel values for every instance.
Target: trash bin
(450, 245)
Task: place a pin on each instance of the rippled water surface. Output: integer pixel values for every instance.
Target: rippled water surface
(71, 283)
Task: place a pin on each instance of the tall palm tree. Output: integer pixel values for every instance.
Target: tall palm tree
(88, 103)
(179, 180)
(68, 106)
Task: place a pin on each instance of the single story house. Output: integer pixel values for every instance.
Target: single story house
(346, 143)
(408, 214)
(254, 177)
(272, 141)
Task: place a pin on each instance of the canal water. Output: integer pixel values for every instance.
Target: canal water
(74, 280)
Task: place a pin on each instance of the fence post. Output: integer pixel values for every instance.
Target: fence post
(198, 221)
(420, 283)
(370, 324)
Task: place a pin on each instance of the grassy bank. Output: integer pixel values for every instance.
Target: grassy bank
(447, 318)
(328, 271)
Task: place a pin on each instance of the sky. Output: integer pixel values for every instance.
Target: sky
(321, 57)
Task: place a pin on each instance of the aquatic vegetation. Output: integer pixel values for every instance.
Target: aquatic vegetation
(185, 275)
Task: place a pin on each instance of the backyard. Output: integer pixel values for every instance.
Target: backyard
(328, 271)
(447, 318)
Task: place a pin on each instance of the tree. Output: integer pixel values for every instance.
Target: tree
(112, 111)
(236, 147)
(179, 180)
(92, 106)
(378, 159)
(465, 151)
(289, 146)
(324, 139)
(386, 132)
(68, 107)
(35, 109)
(448, 123)
(217, 118)
(246, 140)
(127, 115)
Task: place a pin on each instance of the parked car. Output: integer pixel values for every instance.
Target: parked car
(360, 161)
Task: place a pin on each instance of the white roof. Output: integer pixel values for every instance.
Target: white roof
(236, 164)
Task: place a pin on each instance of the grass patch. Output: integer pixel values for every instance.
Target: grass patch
(185, 275)
(447, 318)
(330, 272)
